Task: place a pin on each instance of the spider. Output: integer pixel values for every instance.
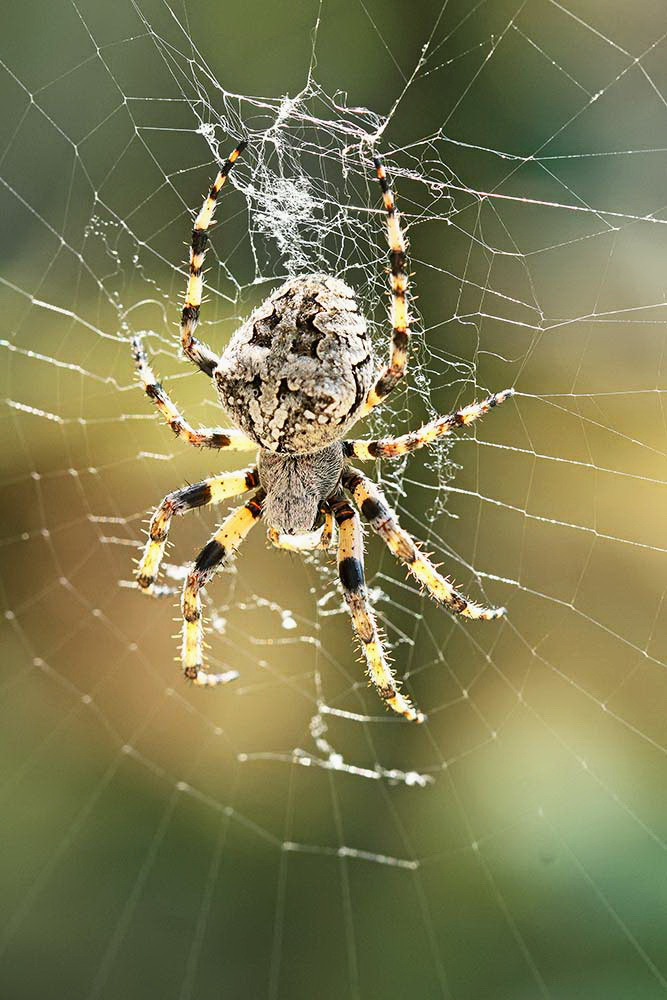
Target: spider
(293, 380)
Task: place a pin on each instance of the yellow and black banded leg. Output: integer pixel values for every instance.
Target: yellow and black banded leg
(395, 447)
(202, 437)
(383, 520)
(210, 491)
(218, 550)
(197, 352)
(400, 336)
(327, 531)
(351, 573)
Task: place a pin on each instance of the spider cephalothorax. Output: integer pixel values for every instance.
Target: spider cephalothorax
(297, 486)
(293, 379)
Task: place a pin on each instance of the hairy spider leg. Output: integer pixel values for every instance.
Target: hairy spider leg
(197, 352)
(430, 432)
(218, 550)
(398, 277)
(208, 492)
(202, 437)
(327, 531)
(351, 573)
(384, 521)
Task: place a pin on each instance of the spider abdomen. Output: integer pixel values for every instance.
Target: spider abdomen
(295, 375)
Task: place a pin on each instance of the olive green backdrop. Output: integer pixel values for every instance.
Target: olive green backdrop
(162, 842)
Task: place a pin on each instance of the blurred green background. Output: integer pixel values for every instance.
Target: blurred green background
(282, 837)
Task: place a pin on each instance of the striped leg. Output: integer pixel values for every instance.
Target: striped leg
(351, 572)
(395, 370)
(383, 520)
(395, 447)
(219, 549)
(327, 531)
(203, 437)
(210, 491)
(192, 348)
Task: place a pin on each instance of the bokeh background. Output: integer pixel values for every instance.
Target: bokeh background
(282, 837)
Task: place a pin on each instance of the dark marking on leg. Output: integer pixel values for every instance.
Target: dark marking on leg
(351, 573)
(457, 603)
(154, 391)
(252, 479)
(342, 512)
(212, 553)
(400, 339)
(374, 510)
(196, 495)
(256, 504)
(219, 440)
(382, 177)
(351, 479)
(190, 314)
(199, 241)
(397, 258)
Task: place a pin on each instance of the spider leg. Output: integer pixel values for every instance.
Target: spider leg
(202, 437)
(217, 550)
(396, 368)
(210, 491)
(327, 531)
(395, 447)
(197, 352)
(351, 573)
(383, 520)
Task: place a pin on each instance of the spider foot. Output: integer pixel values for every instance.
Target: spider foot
(156, 590)
(202, 678)
(400, 704)
(477, 612)
(159, 590)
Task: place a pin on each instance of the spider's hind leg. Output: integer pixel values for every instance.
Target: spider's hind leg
(400, 320)
(383, 520)
(218, 550)
(210, 491)
(193, 349)
(351, 573)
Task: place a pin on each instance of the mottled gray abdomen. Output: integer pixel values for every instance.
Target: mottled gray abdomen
(295, 375)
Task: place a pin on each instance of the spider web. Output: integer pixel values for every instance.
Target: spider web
(283, 836)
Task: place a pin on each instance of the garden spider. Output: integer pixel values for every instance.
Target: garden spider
(293, 379)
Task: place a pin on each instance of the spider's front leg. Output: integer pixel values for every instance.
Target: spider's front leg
(218, 550)
(351, 573)
(210, 491)
(441, 426)
(383, 520)
(203, 437)
(400, 321)
(193, 349)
